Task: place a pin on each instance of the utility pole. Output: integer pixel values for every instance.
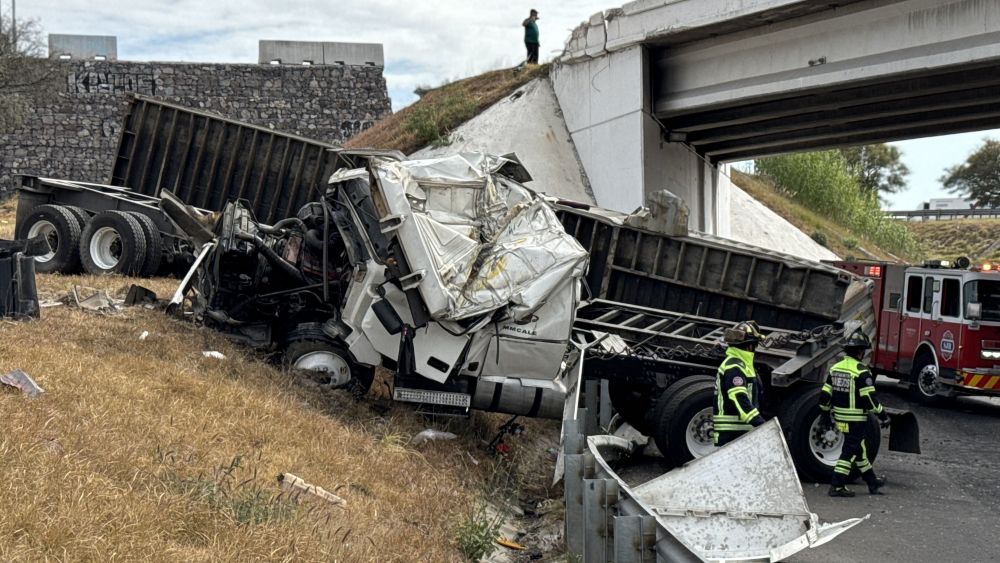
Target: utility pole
(13, 24)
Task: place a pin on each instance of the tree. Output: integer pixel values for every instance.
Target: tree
(25, 75)
(877, 167)
(978, 178)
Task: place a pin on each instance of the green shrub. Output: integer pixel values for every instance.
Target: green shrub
(478, 532)
(823, 182)
(431, 123)
(819, 237)
(850, 243)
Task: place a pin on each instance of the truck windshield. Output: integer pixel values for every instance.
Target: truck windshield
(986, 292)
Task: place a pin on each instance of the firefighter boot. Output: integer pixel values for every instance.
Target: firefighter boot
(874, 482)
(840, 491)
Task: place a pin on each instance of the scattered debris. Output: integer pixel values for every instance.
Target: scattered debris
(144, 335)
(214, 354)
(46, 303)
(22, 381)
(99, 300)
(509, 543)
(296, 485)
(430, 435)
(138, 295)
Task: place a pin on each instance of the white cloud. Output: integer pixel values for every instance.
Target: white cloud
(426, 41)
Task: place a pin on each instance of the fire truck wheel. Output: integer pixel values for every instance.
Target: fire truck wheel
(684, 429)
(924, 385)
(62, 231)
(633, 403)
(327, 362)
(814, 444)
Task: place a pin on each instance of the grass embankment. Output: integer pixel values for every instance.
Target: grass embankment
(979, 239)
(146, 450)
(439, 111)
(838, 238)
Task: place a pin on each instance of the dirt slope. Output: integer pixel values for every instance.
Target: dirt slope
(979, 239)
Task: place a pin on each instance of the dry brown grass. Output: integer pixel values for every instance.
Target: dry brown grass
(146, 450)
(479, 92)
(951, 239)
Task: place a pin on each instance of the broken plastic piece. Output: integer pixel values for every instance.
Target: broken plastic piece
(430, 435)
(295, 485)
(22, 381)
(509, 543)
(99, 301)
(214, 354)
(144, 335)
(138, 295)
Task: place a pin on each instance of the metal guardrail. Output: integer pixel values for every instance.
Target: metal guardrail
(603, 521)
(943, 214)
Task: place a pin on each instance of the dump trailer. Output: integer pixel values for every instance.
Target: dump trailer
(204, 159)
(466, 283)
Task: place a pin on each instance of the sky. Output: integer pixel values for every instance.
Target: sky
(426, 42)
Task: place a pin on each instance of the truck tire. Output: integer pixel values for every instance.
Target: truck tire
(923, 380)
(814, 446)
(60, 228)
(668, 393)
(113, 243)
(80, 213)
(633, 403)
(154, 245)
(308, 348)
(684, 429)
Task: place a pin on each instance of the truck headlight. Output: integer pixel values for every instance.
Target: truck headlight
(990, 354)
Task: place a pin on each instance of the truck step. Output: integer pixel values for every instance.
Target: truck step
(428, 397)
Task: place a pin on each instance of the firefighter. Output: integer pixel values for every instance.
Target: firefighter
(847, 397)
(737, 390)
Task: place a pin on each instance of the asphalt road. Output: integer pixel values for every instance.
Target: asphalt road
(940, 506)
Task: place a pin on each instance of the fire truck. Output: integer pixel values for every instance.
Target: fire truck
(938, 326)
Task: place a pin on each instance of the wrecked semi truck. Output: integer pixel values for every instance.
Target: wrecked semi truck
(476, 292)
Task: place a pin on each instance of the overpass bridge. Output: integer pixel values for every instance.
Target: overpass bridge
(662, 93)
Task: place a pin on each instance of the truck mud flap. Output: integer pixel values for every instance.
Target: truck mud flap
(904, 432)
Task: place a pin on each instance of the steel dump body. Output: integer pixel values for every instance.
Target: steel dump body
(207, 160)
(707, 276)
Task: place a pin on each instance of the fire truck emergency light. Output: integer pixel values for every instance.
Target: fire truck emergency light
(874, 271)
(987, 266)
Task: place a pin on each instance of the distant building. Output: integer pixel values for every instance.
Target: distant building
(947, 203)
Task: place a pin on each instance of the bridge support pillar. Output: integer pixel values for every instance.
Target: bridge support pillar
(607, 105)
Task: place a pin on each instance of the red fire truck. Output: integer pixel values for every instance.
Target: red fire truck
(938, 326)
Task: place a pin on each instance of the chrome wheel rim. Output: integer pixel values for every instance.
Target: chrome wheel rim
(927, 380)
(825, 441)
(48, 230)
(328, 363)
(106, 248)
(698, 434)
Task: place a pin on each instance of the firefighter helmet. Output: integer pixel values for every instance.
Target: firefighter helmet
(857, 340)
(746, 332)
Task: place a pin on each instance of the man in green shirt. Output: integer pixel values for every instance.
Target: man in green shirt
(531, 36)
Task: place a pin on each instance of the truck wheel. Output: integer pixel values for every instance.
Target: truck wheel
(309, 349)
(667, 394)
(633, 403)
(62, 231)
(81, 215)
(924, 385)
(154, 245)
(684, 429)
(815, 446)
(112, 243)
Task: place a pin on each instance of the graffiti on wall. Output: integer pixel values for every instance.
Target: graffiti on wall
(94, 82)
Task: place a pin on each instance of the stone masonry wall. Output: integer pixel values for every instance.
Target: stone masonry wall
(75, 135)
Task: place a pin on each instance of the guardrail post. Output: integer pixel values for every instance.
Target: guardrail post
(599, 495)
(605, 407)
(591, 400)
(634, 539)
(574, 445)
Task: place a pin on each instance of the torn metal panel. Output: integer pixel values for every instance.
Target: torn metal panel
(479, 240)
(743, 502)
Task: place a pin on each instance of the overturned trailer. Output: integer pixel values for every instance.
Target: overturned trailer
(467, 285)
